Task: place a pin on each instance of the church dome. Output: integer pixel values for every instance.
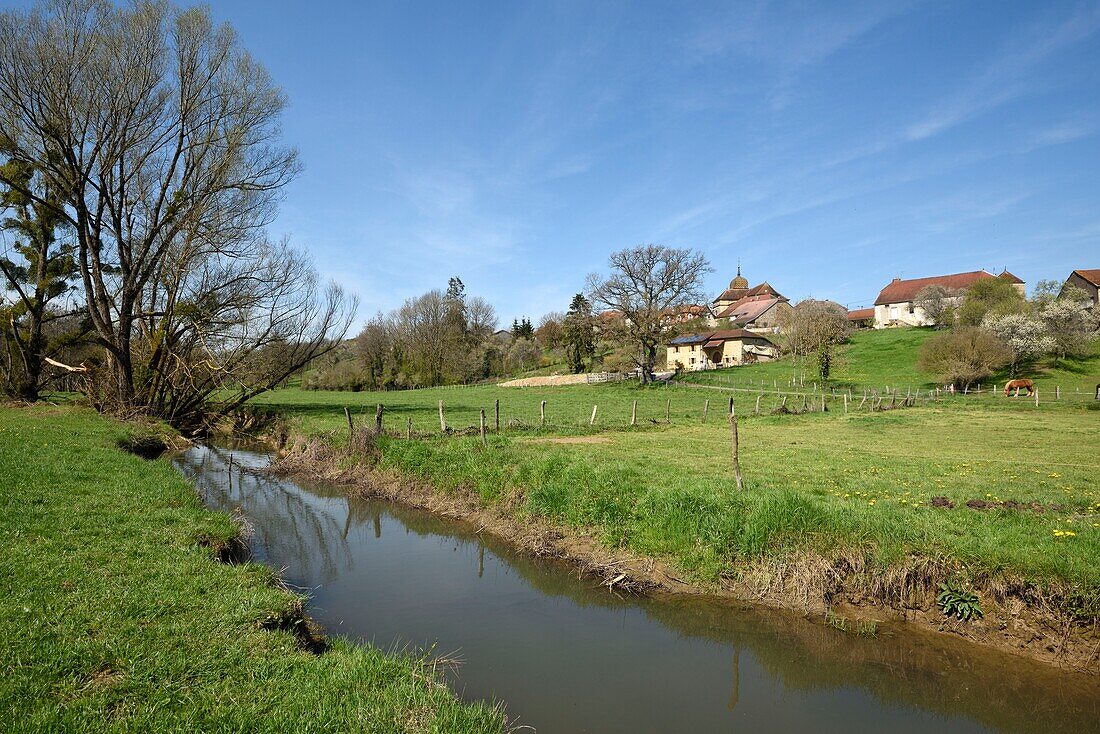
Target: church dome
(739, 282)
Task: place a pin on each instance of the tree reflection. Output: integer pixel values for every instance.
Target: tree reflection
(283, 524)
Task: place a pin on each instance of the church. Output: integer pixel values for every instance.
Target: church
(757, 308)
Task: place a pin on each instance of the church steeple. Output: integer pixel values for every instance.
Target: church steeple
(739, 283)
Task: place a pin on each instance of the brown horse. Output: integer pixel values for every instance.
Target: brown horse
(1019, 385)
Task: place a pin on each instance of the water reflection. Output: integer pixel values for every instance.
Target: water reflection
(567, 656)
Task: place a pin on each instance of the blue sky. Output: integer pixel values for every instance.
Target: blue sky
(828, 147)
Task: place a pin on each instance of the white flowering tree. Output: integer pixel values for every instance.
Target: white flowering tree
(1026, 336)
(1071, 320)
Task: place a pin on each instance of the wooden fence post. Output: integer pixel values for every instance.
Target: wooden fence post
(542, 413)
(845, 402)
(757, 411)
(706, 408)
(496, 410)
(378, 418)
(731, 405)
(484, 442)
(1036, 397)
(409, 429)
(351, 426)
(668, 411)
(736, 458)
(442, 419)
(1057, 392)
(592, 420)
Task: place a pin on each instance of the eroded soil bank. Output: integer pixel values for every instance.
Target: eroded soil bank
(1018, 617)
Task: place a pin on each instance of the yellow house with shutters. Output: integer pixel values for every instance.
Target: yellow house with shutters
(713, 349)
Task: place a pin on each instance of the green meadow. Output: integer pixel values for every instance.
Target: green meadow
(833, 483)
(118, 617)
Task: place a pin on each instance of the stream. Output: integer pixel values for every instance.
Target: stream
(566, 655)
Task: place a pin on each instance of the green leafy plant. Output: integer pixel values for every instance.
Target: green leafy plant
(955, 601)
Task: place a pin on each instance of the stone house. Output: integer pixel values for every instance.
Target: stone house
(723, 348)
(1086, 280)
(895, 307)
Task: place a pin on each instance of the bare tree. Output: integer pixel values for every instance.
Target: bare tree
(549, 330)
(163, 134)
(963, 356)
(938, 304)
(815, 327)
(645, 282)
(481, 319)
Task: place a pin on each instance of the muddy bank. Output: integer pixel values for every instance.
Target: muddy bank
(1019, 617)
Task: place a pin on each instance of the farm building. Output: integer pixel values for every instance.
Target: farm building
(757, 308)
(1086, 280)
(862, 318)
(895, 303)
(724, 348)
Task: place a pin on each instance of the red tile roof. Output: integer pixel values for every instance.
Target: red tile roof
(902, 291)
(748, 310)
(736, 294)
(861, 314)
(1005, 275)
(1092, 276)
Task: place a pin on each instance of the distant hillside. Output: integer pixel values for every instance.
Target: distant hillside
(888, 357)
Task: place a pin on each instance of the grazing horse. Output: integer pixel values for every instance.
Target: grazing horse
(1019, 385)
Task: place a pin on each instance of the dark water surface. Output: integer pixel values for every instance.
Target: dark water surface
(565, 655)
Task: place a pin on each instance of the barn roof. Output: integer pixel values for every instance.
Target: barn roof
(903, 291)
(748, 309)
(861, 314)
(1092, 275)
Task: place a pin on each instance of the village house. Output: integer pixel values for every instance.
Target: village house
(724, 348)
(862, 318)
(687, 313)
(895, 303)
(758, 308)
(1086, 280)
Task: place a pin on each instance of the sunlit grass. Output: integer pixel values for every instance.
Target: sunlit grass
(116, 619)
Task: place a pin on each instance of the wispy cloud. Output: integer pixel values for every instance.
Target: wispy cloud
(787, 35)
(1005, 77)
(1065, 132)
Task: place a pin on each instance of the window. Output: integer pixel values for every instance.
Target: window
(894, 312)
(911, 309)
(693, 360)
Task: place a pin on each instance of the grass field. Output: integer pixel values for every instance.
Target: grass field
(117, 618)
(823, 482)
(876, 359)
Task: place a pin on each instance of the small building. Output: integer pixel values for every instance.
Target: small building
(723, 348)
(1086, 280)
(687, 313)
(862, 318)
(758, 308)
(895, 303)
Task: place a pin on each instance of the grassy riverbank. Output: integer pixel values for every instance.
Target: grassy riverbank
(991, 491)
(119, 618)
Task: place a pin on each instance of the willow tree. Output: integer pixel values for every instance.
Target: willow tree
(645, 283)
(164, 135)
